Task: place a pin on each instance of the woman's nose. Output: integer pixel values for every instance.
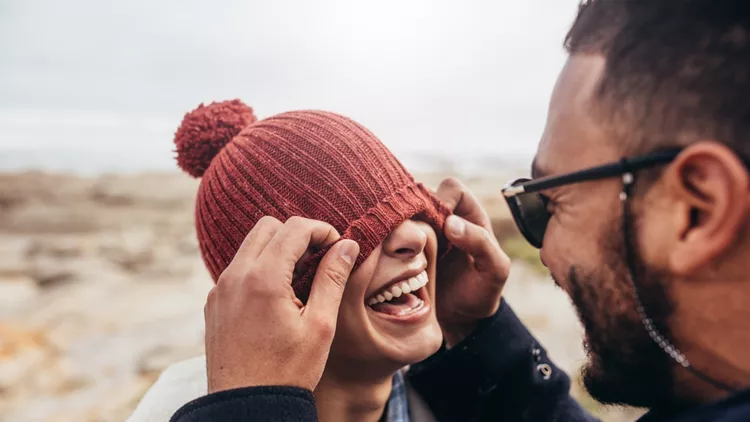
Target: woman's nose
(405, 241)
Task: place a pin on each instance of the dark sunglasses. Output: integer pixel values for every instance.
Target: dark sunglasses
(529, 207)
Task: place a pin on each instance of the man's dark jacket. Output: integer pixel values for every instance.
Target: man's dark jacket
(499, 374)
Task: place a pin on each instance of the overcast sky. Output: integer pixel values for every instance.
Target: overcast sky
(116, 77)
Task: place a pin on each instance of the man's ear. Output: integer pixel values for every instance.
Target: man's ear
(711, 190)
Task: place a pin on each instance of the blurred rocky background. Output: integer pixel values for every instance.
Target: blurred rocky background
(102, 287)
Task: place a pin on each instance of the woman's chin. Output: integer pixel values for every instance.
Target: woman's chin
(415, 347)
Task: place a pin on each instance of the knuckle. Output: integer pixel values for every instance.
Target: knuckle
(487, 236)
(332, 232)
(504, 266)
(325, 327)
(336, 273)
(255, 281)
(265, 224)
(450, 191)
(235, 273)
(248, 280)
(260, 291)
(211, 297)
(207, 309)
(480, 236)
(297, 221)
(503, 275)
(254, 269)
(450, 183)
(268, 221)
(225, 277)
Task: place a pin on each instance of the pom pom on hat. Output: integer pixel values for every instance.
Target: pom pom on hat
(205, 130)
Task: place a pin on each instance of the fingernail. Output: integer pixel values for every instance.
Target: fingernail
(349, 251)
(456, 225)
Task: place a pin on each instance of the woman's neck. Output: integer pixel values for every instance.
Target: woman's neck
(352, 399)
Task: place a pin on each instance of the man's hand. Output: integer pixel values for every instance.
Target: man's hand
(471, 277)
(257, 331)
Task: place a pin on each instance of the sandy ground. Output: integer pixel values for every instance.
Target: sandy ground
(102, 287)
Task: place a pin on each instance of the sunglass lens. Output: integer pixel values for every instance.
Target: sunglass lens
(533, 209)
(530, 212)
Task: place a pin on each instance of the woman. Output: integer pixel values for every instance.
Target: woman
(321, 166)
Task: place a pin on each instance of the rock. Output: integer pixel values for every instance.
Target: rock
(13, 256)
(48, 271)
(61, 247)
(157, 359)
(14, 338)
(38, 187)
(12, 266)
(17, 291)
(146, 254)
(100, 195)
(69, 385)
(131, 250)
(10, 194)
(60, 377)
(51, 219)
(158, 191)
(121, 400)
(187, 244)
(19, 368)
(22, 351)
(169, 263)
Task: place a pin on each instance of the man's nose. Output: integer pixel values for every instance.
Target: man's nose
(406, 241)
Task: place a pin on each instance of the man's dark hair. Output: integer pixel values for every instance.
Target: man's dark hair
(677, 71)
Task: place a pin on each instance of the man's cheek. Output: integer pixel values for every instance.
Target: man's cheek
(558, 264)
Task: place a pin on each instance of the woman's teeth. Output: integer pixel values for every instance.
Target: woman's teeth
(396, 290)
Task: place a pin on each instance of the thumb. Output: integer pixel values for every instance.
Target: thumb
(467, 236)
(330, 279)
(479, 243)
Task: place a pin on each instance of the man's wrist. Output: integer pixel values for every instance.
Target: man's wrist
(260, 403)
(457, 330)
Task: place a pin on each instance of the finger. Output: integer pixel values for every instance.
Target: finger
(253, 244)
(480, 244)
(449, 192)
(459, 199)
(292, 240)
(330, 281)
(257, 240)
(209, 299)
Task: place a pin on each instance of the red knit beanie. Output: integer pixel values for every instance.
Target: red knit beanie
(312, 164)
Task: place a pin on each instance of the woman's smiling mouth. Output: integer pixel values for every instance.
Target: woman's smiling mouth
(402, 298)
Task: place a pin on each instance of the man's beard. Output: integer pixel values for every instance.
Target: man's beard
(625, 365)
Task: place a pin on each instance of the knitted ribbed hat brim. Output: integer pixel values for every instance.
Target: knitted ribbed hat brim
(413, 201)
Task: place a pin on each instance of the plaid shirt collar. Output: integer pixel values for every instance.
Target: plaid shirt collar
(397, 409)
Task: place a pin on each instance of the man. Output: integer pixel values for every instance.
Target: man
(652, 250)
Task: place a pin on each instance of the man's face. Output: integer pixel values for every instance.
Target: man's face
(584, 248)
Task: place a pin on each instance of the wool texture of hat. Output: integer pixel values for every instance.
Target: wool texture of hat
(312, 164)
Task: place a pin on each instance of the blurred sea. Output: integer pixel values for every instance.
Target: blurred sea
(96, 143)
